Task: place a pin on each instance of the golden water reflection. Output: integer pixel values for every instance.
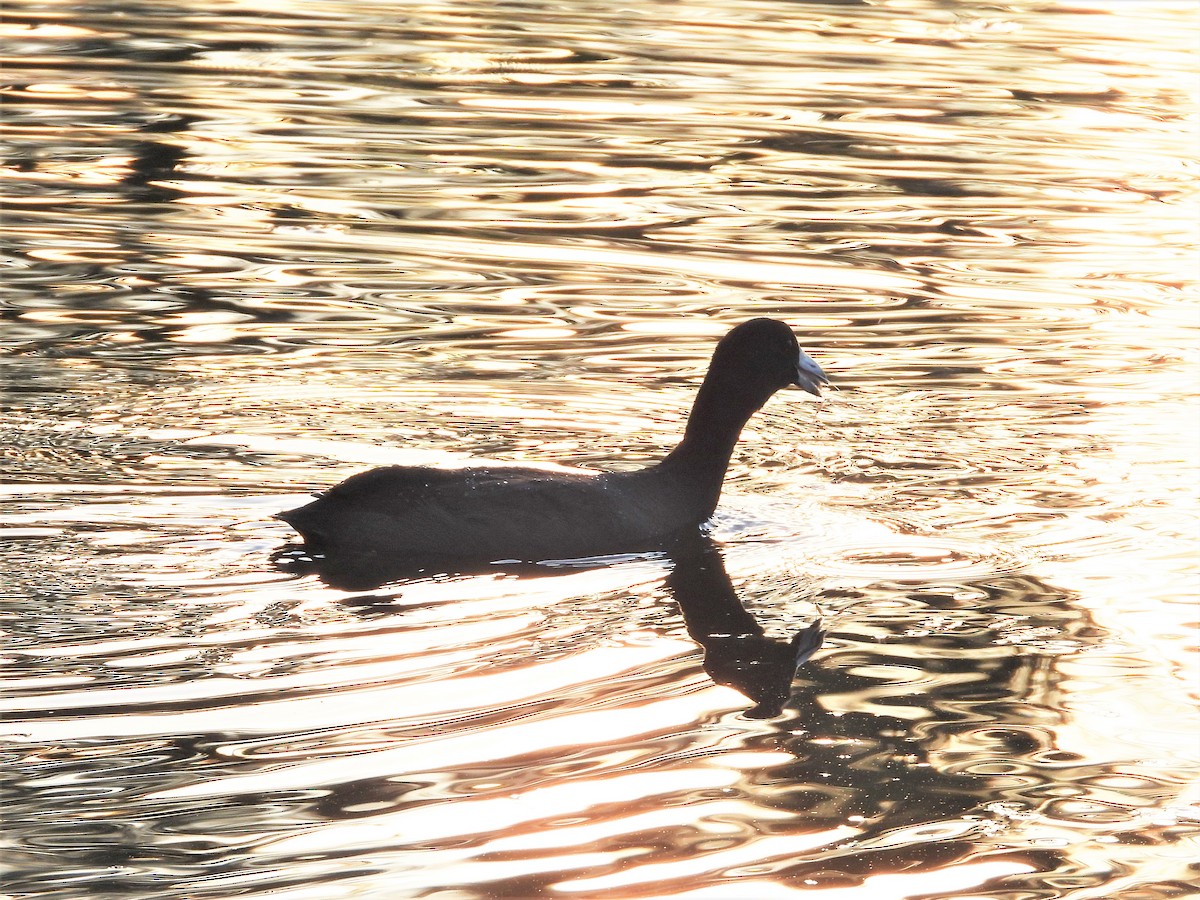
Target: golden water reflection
(255, 249)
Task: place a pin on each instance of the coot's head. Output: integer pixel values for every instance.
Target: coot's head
(766, 351)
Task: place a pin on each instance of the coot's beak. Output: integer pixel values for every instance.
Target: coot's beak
(809, 376)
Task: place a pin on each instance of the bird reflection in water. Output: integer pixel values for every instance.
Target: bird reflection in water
(737, 651)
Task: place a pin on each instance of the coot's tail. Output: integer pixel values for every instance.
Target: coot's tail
(309, 521)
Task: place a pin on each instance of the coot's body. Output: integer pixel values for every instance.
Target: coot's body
(528, 514)
(497, 513)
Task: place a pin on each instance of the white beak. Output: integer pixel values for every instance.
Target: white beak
(809, 376)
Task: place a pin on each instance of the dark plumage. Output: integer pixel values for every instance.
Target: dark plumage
(528, 514)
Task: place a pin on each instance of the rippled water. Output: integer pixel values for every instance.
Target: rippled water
(252, 248)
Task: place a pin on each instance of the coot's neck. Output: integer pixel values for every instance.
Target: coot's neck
(723, 405)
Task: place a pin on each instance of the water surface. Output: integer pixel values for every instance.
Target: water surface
(254, 248)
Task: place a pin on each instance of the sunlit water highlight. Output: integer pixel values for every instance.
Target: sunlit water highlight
(252, 249)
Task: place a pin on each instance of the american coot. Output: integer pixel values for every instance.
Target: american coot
(512, 513)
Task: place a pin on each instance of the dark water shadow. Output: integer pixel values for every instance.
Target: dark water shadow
(737, 651)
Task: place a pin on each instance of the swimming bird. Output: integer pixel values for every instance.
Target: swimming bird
(515, 514)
